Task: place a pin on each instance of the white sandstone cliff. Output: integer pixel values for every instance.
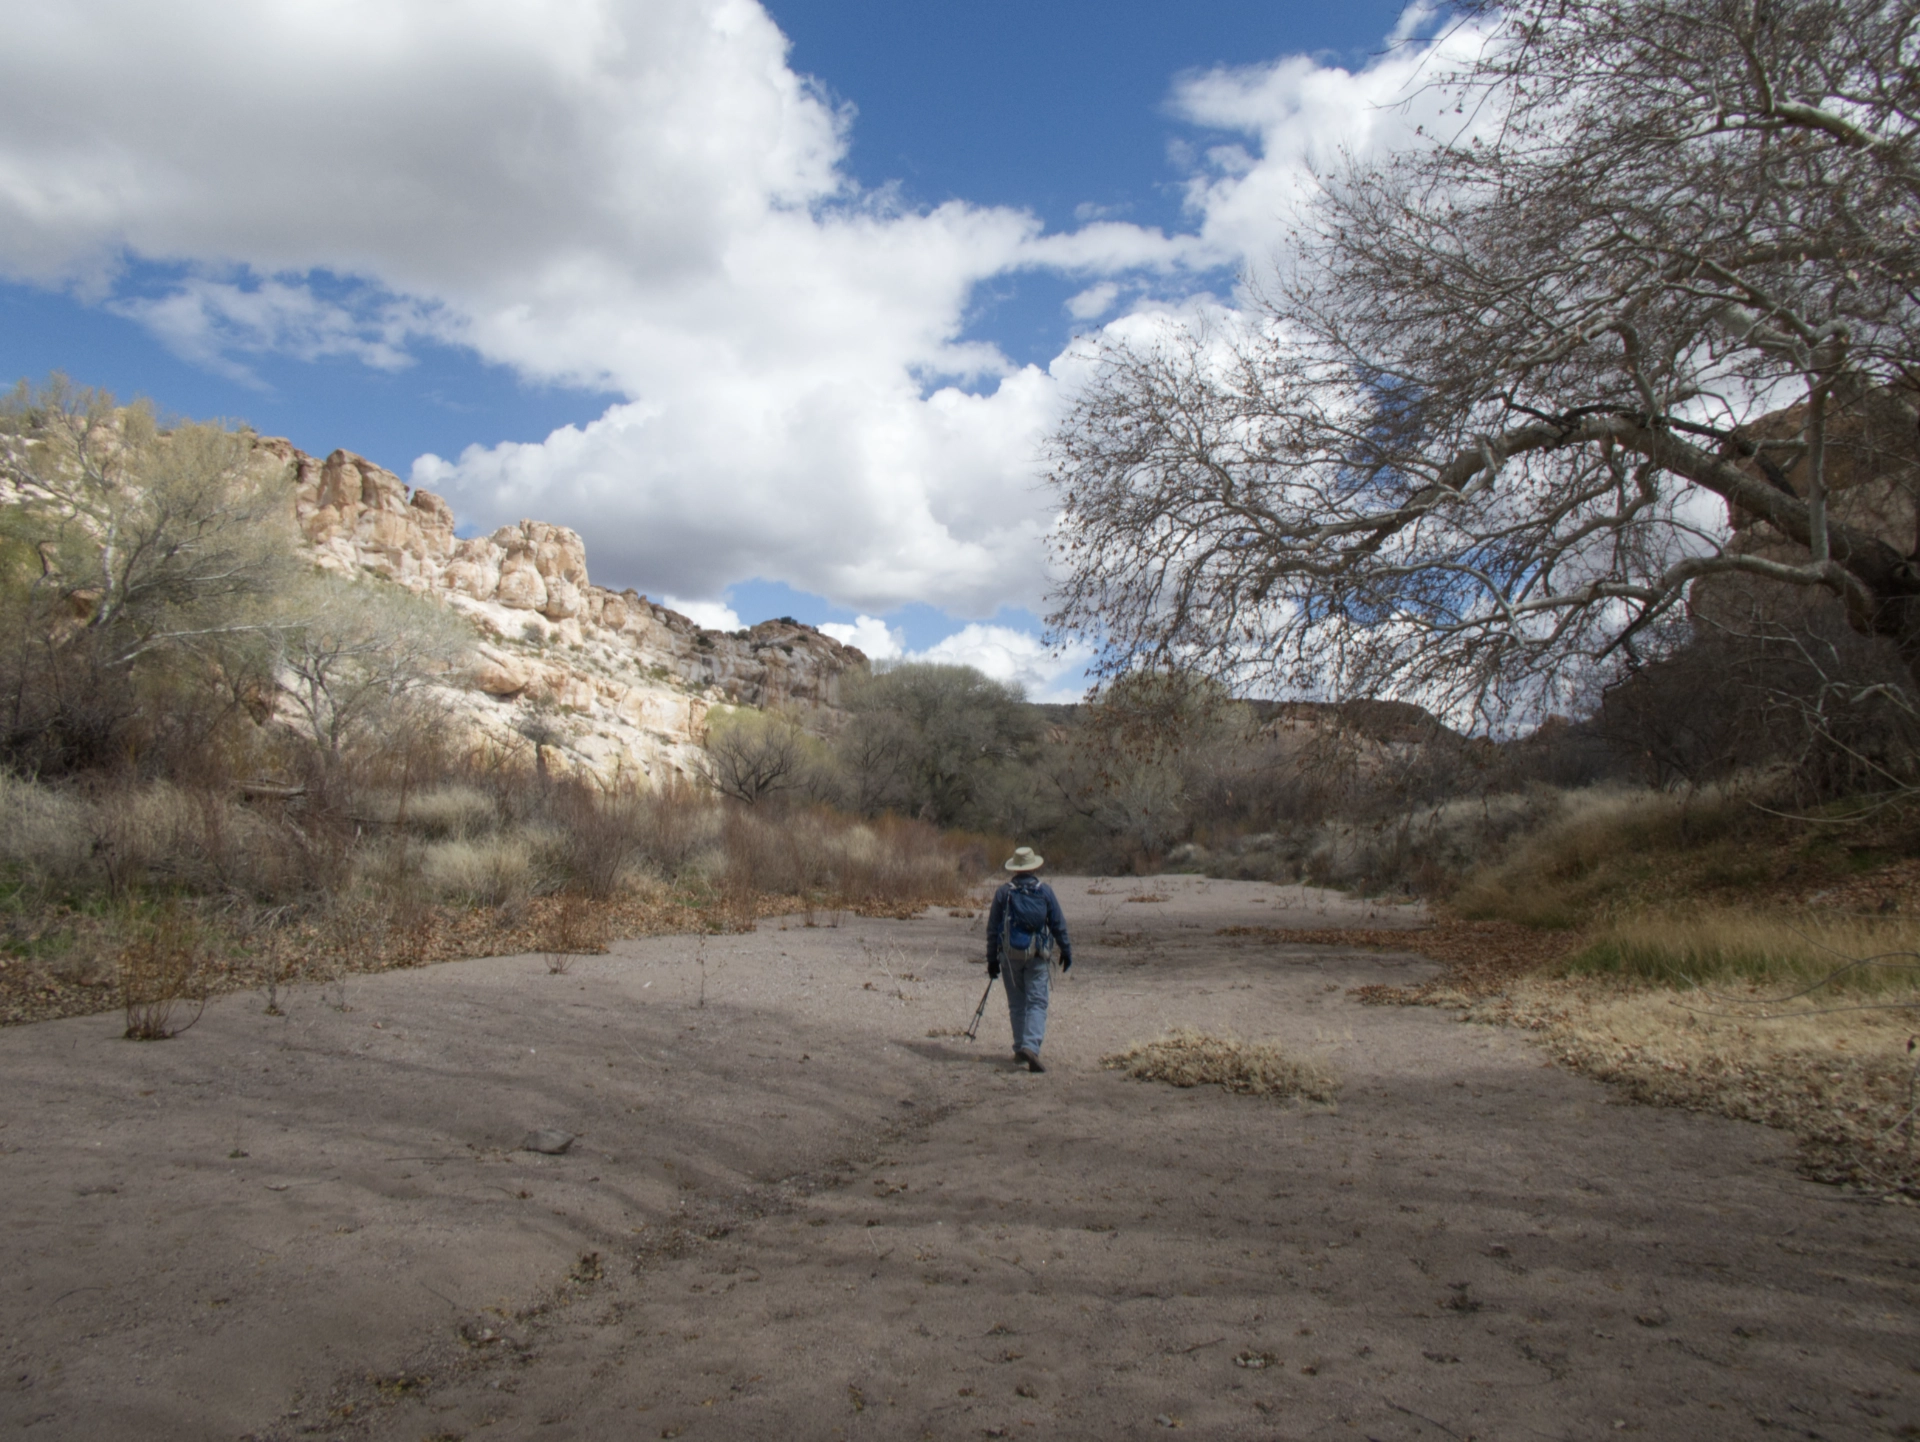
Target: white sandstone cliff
(616, 684)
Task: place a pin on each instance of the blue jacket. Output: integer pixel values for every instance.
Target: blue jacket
(1056, 919)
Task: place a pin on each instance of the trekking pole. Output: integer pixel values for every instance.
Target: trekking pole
(973, 1028)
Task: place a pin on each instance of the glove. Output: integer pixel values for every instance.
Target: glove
(993, 970)
(1066, 962)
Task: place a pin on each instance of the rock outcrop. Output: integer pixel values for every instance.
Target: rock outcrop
(1873, 483)
(600, 680)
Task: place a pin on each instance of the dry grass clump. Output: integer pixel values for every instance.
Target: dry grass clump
(115, 839)
(492, 871)
(1188, 1058)
(452, 811)
(43, 832)
(1711, 943)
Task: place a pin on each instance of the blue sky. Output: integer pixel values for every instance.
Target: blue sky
(773, 305)
(1046, 106)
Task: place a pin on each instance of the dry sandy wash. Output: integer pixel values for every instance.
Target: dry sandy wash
(792, 1213)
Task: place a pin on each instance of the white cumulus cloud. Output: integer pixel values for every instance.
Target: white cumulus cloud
(1007, 654)
(869, 634)
(1293, 118)
(636, 195)
(1093, 302)
(713, 615)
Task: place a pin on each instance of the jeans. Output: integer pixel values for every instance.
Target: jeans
(1027, 1000)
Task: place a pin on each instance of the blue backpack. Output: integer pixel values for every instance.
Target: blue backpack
(1024, 932)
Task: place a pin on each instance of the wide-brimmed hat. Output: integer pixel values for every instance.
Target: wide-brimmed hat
(1023, 859)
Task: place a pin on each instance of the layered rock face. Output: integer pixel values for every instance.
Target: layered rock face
(600, 680)
(1873, 482)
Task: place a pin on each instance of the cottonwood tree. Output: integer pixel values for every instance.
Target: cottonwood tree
(935, 741)
(1487, 425)
(872, 753)
(351, 656)
(125, 546)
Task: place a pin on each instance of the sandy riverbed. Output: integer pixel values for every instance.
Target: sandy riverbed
(792, 1213)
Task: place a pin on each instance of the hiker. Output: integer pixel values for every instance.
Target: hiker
(1022, 930)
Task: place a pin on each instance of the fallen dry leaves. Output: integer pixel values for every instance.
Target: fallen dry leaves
(1889, 887)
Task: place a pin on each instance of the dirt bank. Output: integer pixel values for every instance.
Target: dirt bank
(791, 1212)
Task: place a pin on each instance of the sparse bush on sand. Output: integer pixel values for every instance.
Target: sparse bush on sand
(573, 929)
(1188, 1058)
(397, 860)
(160, 971)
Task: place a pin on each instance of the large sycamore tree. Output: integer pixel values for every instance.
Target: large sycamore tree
(1491, 422)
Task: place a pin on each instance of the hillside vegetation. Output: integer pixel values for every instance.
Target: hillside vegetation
(224, 763)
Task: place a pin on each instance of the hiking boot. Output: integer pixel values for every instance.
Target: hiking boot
(1033, 1063)
(1021, 1054)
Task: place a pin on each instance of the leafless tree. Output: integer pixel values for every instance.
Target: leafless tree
(753, 755)
(1514, 393)
(873, 750)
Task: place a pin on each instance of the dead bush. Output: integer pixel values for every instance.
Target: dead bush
(895, 861)
(412, 927)
(1188, 1058)
(600, 834)
(573, 928)
(160, 971)
(681, 823)
(786, 854)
